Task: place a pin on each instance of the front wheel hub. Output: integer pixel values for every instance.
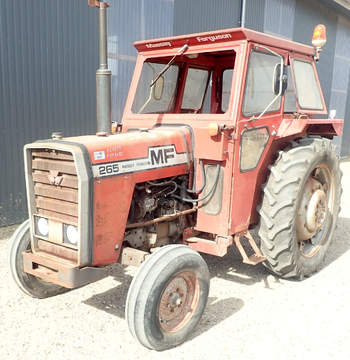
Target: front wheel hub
(178, 301)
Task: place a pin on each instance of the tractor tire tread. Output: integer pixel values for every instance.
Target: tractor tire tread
(279, 201)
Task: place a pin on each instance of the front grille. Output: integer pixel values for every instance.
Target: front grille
(55, 185)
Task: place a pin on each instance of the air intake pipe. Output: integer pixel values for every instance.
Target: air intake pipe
(103, 74)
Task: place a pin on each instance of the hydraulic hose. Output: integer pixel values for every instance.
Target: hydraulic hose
(194, 191)
(206, 196)
(164, 183)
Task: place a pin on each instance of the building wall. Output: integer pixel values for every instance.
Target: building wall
(340, 91)
(205, 15)
(129, 21)
(48, 59)
(47, 63)
(307, 15)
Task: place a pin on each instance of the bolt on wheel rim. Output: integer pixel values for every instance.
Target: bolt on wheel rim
(178, 301)
(314, 217)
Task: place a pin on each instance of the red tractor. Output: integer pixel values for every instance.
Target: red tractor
(222, 132)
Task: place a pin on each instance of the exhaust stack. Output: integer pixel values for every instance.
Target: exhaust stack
(103, 74)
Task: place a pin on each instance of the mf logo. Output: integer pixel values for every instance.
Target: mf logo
(161, 155)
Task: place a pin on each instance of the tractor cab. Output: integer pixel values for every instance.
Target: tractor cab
(239, 91)
(197, 74)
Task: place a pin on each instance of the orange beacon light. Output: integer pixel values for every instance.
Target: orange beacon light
(319, 38)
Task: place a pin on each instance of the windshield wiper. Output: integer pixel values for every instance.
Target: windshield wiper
(167, 66)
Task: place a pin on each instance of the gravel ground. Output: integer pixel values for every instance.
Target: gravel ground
(250, 314)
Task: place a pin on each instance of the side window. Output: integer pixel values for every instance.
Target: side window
(226, 88)
(290, 101)
(259, 84)
(196, 83)
(308, 92)
(253, 143)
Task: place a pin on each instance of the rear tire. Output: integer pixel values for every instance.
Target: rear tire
(29, 284)
(300, 207)
(167, 297)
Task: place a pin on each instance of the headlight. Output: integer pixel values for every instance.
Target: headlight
(71, 234)
(42, 226)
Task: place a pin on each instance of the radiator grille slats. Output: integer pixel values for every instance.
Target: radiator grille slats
(61, 155)
(63, 166)
(67, 219)
(55, 184)
(69, 181)
(62, 207)
(66, 194)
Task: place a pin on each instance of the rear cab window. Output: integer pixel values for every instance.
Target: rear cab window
(195, 87)
(307, 88)
(226, 88)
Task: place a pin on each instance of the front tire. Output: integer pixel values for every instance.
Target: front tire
(300, 207)
(167, 297)
(29, 284)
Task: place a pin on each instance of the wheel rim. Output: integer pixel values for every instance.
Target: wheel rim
(178, 301)
(316, 208)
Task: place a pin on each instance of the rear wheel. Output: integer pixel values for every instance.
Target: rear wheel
(300, 208)
(167, 297)
(29, 284)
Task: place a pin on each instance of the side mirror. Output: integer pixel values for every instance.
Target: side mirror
(277, 80)
(158, 88)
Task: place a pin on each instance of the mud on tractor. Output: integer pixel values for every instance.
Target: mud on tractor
(222, 131)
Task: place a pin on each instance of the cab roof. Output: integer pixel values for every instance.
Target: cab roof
(213, 38)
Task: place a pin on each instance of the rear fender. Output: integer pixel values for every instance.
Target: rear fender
(324, 127)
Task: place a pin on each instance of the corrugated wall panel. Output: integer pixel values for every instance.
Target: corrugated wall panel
(129, 21)
(48, 56)
(205, 15)
(345, 144)
(279, 17)
(48, 60)
(307, 15)
(340, 99)
(255, 14)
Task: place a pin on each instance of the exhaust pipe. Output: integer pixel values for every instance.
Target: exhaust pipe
(103, 74)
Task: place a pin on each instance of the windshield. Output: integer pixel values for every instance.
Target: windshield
(186, 85)
(145, 101)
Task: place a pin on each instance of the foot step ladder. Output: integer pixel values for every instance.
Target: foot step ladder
(254, 259)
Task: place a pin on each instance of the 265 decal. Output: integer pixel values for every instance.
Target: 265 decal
(108, 169)
(158, 157)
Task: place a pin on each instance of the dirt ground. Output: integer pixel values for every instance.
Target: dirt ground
(250, 314)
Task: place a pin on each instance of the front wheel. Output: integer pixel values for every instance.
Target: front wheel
(29, 284)
(167, 297)
(300, 207)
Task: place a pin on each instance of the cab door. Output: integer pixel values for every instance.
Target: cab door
(260, 112)
(214, 145)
